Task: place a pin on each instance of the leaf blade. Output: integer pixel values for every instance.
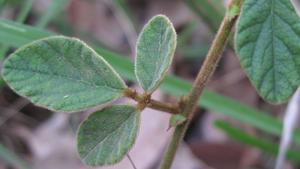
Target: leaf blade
(106, 136)
(155, 50)
(62, 74)
(267, 39)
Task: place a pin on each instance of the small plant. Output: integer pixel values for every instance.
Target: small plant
(65, 75)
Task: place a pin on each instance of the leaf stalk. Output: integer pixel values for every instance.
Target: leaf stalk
(144, 100)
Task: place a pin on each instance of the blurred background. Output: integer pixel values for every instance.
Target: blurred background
(233, 129)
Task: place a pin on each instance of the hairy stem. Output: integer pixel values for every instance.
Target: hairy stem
(207, 69)
(144, 100)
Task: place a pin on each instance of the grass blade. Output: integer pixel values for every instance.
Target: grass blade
(211, 11)
(124, 7)
(25, 9)
(259, 143)
(22, 15)
(16, 34)
(2, 4)
(12, 159)
(54, 9)
(185, 35)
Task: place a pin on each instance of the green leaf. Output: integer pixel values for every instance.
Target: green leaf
(62, 74)
(267, 42)
(155, 50)
(106, 136)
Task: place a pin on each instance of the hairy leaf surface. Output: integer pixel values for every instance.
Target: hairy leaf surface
(155, 50)
(62, 74)
(267, 42)
(106, 136)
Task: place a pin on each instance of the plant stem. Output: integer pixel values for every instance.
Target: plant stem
(148, 102)
(207, 69)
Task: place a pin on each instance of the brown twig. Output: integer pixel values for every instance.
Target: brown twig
(208, 68)
(144, 100)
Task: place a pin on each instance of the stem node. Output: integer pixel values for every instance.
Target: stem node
(144, 100)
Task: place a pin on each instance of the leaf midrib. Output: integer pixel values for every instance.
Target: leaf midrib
(273, 51)
(101, 141)
(63, 77)
(157, 66)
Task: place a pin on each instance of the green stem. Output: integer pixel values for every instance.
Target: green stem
(207, 69)
(25, 9)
